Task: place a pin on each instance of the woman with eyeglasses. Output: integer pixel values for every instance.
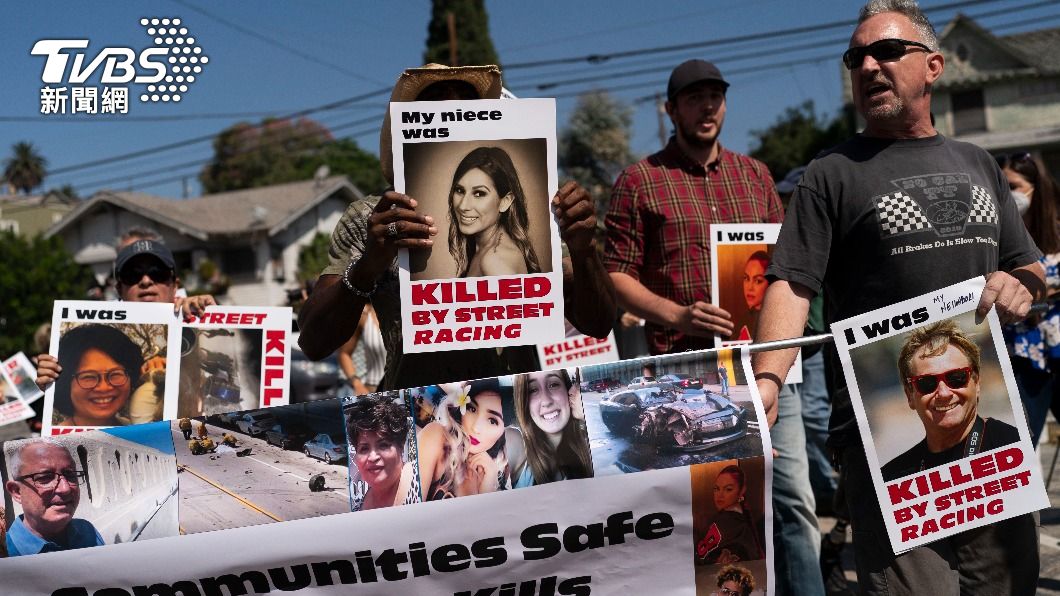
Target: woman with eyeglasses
(1036, 341)
(100, 365)
(735, 581)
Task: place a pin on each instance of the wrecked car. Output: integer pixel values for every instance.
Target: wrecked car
(662, 415)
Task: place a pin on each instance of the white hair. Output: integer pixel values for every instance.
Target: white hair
(14, 461)
(911, 10)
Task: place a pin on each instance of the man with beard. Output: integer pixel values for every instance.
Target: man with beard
(858, 206)
(658, 255)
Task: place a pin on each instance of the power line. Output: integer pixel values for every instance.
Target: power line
(599, 58)
(274, 43)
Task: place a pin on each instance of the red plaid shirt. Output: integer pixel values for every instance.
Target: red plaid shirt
(658, 225)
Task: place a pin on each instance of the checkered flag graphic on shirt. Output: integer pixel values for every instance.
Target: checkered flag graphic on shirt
(900, 214)
(983, 210)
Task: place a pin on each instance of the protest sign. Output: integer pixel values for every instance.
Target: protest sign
(382, 451)
(939, 415)
(20, 374)
(577, 349)
(227, 359)
(739, 257)
(12, 407)
(485, 170)
(114, 365)
(235, 358)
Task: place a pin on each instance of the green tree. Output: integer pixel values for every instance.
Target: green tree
(473, 43)
(39, 272)
(25, 169)
(797, 137)
(313, 257)
(281, 150)
(594, 147)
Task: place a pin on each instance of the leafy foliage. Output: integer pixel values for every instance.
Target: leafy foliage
(313, 257)
(25, 169)
(594, 147)
(281, 150)
(473, 43)
(797, 137)
(36, 272)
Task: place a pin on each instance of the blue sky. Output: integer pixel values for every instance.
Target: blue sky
(273, 57)
(155, 434)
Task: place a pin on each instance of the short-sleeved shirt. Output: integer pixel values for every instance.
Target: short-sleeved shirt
(348, 242)
(877, 221)
(80, 533)
(658, 225)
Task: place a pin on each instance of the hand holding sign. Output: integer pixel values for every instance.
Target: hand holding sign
(394, 224)
(576, 216)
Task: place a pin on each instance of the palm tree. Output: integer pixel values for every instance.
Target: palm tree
(25, 169)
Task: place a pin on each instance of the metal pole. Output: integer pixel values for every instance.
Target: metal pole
(795, 342)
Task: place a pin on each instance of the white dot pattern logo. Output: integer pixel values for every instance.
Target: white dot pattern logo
(183, 51)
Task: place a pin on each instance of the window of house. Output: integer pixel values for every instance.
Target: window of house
(969, 112)
(239, 262)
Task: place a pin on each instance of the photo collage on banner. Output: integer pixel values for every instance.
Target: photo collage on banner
(940, 416)
(21, 375)
(117, 485)
(739, 257)
(135, 362)
(485, 171)
(682, 489)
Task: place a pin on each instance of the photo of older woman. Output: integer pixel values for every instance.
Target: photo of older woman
(551, 442)
(100, 367)
(461, 452)
(378, 427)
(488, 232)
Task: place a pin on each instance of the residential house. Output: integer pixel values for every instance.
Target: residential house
(253, 236)
(29, 215)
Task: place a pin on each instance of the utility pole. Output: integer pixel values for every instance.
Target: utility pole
(660, 113)
(450, 20)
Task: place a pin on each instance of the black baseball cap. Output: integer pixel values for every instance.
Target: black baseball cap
(691, 72)
(144, 247)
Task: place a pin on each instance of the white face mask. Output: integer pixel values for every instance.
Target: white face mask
(1023, 202)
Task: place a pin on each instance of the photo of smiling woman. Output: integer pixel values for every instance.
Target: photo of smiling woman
(381, 471)
(491, 207)
(101, 369)
(551, 442)
(461, 452)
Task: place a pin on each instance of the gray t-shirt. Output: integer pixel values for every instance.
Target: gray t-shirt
(878, 221)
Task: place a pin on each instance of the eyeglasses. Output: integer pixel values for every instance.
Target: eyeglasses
(91, 379)
(955, 379)
(883, 50)
(132, 275)
(50, 480)
(727, 592)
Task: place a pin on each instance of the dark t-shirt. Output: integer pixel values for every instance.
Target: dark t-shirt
(995, 434)
(877, 221)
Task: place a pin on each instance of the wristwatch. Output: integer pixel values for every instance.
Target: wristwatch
(349, 284)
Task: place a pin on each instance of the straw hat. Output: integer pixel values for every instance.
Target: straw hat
(485, 79)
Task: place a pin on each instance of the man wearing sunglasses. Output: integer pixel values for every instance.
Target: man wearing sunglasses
(896, 212)
(939, 369)
(45, 482)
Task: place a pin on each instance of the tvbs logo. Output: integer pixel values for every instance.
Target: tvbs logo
(167, 68)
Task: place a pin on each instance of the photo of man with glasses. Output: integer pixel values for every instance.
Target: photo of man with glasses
(45, 482)
(938, 366)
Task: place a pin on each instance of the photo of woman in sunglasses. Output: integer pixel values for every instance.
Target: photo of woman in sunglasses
(944, 399)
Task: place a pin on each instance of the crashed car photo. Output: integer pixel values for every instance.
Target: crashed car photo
(663, 415)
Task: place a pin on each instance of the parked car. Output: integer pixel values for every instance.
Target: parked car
(682, 380)
(255, 423)
(601, 385)
(312, 381)
(324, 447)
(228, 419)
(291, 436)
(658, 414)
(641, 381)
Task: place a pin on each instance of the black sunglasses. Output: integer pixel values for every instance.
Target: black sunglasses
(883, 50)
(132, 275)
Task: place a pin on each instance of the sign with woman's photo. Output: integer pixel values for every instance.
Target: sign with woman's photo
(133, 362)
(940, 416)
(485, 171)
(382, 451)
(739, 257)
(20, 374)
(113, 365)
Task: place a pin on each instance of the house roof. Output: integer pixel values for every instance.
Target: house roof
(1020, 55)
(1042, 47)
(268, 208)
